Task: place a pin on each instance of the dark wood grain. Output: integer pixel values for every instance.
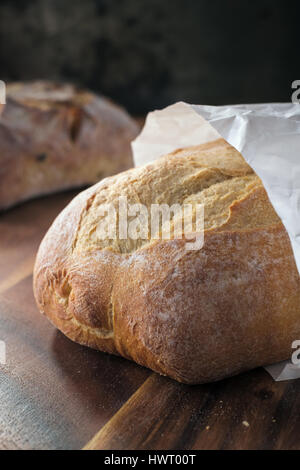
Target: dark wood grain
(245, 412)
(55, 394)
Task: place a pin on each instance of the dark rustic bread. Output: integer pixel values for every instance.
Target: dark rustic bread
(196, 316)
(55, 136)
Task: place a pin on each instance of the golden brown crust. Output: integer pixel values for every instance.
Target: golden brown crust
(196, 316)
(54, 137)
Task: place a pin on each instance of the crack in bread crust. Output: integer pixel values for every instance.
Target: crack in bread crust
(202, 176)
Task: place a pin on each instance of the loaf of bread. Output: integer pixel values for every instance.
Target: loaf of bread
(54, 137)
(193, 315)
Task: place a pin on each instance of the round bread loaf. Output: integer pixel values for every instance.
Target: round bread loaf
(55, 137)
(194, 315)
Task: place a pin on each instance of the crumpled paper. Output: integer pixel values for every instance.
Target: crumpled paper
(268, 137)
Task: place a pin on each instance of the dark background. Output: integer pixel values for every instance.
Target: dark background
(146, 54)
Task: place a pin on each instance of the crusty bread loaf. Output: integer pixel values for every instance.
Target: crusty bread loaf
(54, 137)
(196, 316)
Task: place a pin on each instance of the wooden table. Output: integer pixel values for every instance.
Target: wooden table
(55, 394)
